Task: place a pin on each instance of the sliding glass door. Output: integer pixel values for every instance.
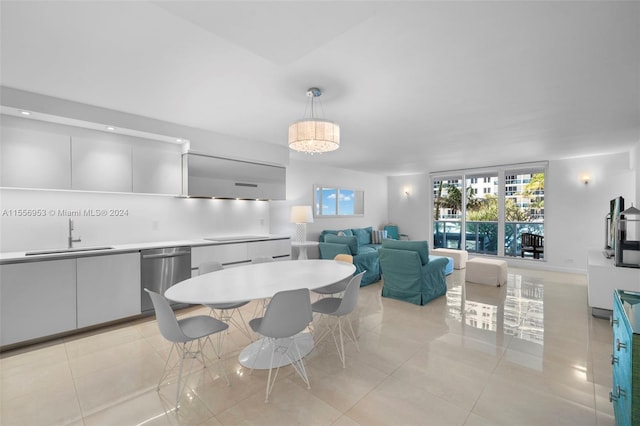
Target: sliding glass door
(447, 212)
(481, 218)
(524, 201)
(491, 205)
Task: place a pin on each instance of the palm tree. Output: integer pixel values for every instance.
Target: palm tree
(532, 190)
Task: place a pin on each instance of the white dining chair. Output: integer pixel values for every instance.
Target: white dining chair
(288, 314)
(183, 333)
(225, 311)
(340, 286)
(340, 307)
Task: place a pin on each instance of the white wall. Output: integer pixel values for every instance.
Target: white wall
(410, 212)
(149, 218)
(302, 175)
(635, 165)
(575, 212)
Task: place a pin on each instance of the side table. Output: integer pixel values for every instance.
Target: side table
(302, 248)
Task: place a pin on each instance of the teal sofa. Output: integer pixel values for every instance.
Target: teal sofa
(356, 242)
(409, 273)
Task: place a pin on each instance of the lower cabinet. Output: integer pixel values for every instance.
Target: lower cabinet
(108, 288)
(625, 358)
(273, 248)
(37, 299)
(233, 254)
(43, 298)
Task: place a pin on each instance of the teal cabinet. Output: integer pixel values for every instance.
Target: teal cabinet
(625, 358)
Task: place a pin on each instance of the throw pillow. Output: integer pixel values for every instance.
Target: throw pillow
(377, 236)
(350, 242)
(363, 234)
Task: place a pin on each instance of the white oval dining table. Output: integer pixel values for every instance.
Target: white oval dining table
(261, 281)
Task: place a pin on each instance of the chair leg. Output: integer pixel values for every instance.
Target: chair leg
(269, 382)
(164, 372)
(341, 333)
(340, 347)
(218, 353)
(298, 364)
(184, 352)
(353, 335)
(227, 316)
(261, 307)
(242, 326)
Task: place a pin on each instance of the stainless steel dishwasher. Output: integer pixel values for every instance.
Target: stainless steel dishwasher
(160, 269)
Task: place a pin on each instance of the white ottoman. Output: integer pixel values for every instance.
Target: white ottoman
(459, 256)
(487, 271)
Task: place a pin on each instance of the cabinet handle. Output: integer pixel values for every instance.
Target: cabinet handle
(620, 345)
(617, 395)
(614, 359)
(612, 321)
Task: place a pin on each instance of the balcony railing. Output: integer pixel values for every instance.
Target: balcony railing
(482, 237)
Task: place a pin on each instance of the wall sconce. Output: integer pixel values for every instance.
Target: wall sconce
(407, 191)
(585, 179)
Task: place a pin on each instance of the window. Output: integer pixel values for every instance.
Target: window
(333, 201)
(500, 204)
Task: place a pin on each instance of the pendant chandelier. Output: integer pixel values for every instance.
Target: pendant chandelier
(314, 135)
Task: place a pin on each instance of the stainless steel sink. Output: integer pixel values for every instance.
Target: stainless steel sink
(71, 250)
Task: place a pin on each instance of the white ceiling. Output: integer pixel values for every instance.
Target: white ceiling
(415, 86)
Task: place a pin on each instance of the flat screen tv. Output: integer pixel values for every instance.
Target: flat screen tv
(615, 207)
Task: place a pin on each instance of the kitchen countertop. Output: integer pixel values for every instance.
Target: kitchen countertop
(97, 250)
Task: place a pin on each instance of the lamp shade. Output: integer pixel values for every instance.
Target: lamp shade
(314, 136)
(301, 214)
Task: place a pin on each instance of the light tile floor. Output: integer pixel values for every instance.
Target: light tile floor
(525, 354)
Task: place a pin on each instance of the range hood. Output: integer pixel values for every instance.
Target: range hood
(207, 176)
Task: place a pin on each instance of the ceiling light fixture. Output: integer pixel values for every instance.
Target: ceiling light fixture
(314, 135)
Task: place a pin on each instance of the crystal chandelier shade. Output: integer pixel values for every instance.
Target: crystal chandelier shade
(314, 135)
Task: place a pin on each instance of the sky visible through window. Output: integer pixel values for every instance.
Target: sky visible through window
(345, 204)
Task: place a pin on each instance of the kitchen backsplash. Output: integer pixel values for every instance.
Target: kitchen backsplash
(39, 219)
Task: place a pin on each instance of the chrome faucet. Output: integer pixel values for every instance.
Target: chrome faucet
(71, 239)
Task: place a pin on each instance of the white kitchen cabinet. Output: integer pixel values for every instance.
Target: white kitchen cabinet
(157, 169)
(37, 299)
(223, 253)
(240, 252)
(101, 163)
(108, 288)
(273, 248)
(32, 158)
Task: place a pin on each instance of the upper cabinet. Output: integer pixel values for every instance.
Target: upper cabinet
(41, 154)
(157, 169)
(208, 176)
(44, 155)
(32, 158)
(101, 164)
